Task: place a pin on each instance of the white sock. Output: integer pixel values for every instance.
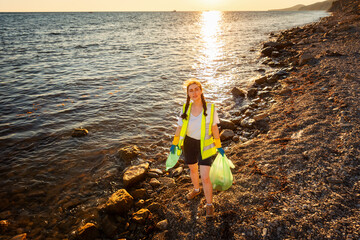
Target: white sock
(197, 189)
(209, 204)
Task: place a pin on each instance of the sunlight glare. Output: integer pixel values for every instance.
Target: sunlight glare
(210, 31)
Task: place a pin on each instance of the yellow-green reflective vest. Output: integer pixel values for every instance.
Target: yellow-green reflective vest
(207, 145)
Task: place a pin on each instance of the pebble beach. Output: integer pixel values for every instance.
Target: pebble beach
(294, 144)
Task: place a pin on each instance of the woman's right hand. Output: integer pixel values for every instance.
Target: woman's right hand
(172, 149)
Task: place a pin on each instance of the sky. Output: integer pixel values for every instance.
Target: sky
(146, 5)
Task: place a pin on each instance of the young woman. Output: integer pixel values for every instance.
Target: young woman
(198, 135)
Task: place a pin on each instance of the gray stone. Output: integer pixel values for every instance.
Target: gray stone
(226, 134)
(226, 124)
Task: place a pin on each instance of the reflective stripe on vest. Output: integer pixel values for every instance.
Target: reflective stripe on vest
(207, 145)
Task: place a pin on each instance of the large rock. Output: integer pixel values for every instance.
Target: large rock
(141, 215)
(237, 92)
(128, 153)
(226, 124)
(87, 232)
(226, 134)
(135, 174)
(120, 202)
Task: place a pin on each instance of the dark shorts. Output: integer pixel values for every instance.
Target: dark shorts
(192, 152)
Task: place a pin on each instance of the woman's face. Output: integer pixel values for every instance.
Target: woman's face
(194, 92)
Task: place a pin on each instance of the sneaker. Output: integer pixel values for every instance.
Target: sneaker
(192, 194)
(209, 211)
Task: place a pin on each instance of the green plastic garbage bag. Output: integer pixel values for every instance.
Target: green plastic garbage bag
(173, 158)
(220, 173)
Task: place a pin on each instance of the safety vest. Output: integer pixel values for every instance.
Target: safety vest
(207, 145)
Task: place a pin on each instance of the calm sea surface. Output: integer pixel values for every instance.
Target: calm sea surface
(120, 76)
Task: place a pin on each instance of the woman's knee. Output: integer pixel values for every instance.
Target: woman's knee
(193, 168)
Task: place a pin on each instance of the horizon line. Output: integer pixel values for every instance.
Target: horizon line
(174, 11)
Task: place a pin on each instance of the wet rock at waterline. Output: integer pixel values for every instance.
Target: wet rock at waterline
(120, 202)
(79, 132)
(135, 174)
(128, 153)
(87, 232)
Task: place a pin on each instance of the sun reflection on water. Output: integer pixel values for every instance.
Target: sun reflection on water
(211, 53)
(210, 33)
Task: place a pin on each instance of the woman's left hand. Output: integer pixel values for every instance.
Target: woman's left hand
(221, 151)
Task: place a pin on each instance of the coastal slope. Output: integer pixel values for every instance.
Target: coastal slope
(319, 6)
(300, 179)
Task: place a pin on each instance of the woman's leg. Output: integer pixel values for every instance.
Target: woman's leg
(194, 174)
(207, 187)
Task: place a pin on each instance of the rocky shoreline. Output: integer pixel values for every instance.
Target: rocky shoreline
(295, 145)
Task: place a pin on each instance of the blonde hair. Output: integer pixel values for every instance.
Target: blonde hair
(191, 81)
